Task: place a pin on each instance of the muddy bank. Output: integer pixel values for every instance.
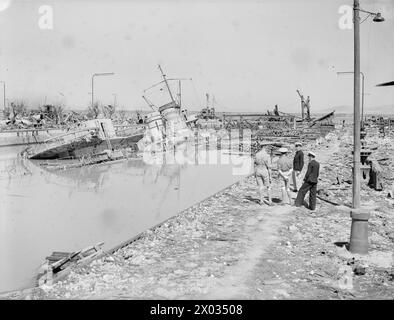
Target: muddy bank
(230, 247)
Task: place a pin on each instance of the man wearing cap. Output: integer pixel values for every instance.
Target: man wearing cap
(298, 164)
(375, 174)
(262, 172)
(285, 169)
(310, 183)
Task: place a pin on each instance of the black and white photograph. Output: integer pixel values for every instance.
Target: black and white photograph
(215, 151)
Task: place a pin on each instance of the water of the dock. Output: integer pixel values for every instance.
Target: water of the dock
(65, 210)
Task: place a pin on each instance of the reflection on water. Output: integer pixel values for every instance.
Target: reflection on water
(43, 210)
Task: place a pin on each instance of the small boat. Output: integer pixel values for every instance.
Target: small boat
(58, 265)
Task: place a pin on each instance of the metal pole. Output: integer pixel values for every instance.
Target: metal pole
(180, 94)
(362, 102)
(168, 87)
(4, 94)
(99, 74)
(359, 231)
(302, 104)
(362, 94)
(92, 90)
(3, 82)
(114, 94)
(356, 115)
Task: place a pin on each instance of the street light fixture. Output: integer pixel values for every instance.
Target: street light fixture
(359, 230)
(378, 17)
(362, 93)
(95, 75)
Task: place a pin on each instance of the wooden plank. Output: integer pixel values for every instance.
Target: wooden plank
(65, 260)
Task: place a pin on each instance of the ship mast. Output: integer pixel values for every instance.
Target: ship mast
(165, 80)
(150, 104)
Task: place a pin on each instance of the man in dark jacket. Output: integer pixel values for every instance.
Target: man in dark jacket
(298, 164)
(310, 183)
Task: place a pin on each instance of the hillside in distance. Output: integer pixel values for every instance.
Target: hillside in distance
(385, 109)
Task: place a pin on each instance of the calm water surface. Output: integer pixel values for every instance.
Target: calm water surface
(65, 210)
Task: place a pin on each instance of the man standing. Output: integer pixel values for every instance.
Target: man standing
(375, 174)
(285, 169)
(310, 183)
(298, 164)
(262, 171)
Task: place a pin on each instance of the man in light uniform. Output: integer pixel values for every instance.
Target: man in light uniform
(262, 172)
(285, 169)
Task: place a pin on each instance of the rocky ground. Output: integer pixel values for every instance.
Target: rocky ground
(230, 247)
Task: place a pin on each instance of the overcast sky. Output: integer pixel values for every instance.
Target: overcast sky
(249, 54)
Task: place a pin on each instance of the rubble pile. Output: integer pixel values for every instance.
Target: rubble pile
(311, 260)
(50, 116)
(46, 117)
(336, 179)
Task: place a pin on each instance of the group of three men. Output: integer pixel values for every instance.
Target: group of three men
(287, 169)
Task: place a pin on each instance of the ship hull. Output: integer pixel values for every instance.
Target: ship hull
(78, 149)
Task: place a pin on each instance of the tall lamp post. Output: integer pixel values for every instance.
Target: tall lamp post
(356, 98)
(3, 82)
(60, 99)
(362, 93)
(359, 230)
(96, 75)
(115, 96)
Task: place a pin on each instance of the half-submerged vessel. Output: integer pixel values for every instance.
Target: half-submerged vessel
(91, 138)
(166, 126)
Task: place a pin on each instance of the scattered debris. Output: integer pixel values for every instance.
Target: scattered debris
(359, 270)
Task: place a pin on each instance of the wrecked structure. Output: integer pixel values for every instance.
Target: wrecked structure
(93, 138)
(280, 125)
(207, 117)
(305, 107)
(167, 125)
(382, 125)
(324, 124)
